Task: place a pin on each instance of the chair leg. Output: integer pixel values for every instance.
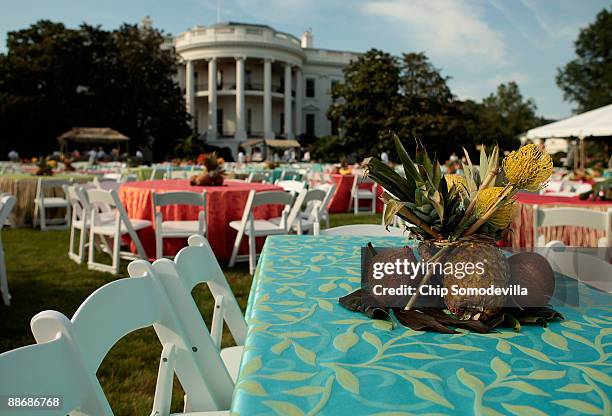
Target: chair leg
(159, 243)
(374, 205)
(6, 296)
(35, 218)
(82, 237)
(252, 253)
(43, 219)
(239, 235)
(71, 252)
(355, 205)
(116, 253)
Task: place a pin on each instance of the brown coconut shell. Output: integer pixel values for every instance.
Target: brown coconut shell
(533, 272)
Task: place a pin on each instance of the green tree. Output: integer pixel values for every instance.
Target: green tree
(587, 80)
(365, 104)
(53, 78)
(505, 114)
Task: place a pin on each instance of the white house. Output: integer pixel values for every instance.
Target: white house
(244, 81)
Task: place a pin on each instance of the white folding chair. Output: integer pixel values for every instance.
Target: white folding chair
(112, 230)
(292, 186)
(329, 189)
(7, 203)
(42, 203)
(198, 264)
(578, 265)
(359, 194)
(78, 222)
(574, 217)
(304, 215)
(258, 228)
(68, 353)
(174, 229)
(369, 230)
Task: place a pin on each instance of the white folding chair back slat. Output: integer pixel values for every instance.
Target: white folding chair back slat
(173, 229)
(7, 203)
(329, 189)
(78, 222)
(42, 203)
(575, 217)
(259, 228)
(370, 230)
(112, 230)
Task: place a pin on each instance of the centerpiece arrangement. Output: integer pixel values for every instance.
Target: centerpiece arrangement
(460, 217)
(212, 174)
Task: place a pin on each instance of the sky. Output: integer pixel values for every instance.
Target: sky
(478, 43)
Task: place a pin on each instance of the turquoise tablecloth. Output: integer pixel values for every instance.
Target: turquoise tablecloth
(305, 354)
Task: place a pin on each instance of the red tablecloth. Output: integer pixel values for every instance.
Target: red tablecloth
(340, 201)
(522, 225)
(223, 204)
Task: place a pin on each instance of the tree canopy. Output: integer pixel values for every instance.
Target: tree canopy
(587, 80)
(54, 78)
(409, 96)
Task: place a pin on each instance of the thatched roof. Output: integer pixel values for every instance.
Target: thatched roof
(92, 134)
(283, 143)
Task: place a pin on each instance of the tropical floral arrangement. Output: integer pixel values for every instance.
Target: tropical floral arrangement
(45, 167)
(460, 217)
(212, 174)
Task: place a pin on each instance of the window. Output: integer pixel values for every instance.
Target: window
(282, 122)
(220, 79)
(247, 79)
(281, 89)
(310, 125)
(220, 121)
(310, 87)
(249, 121)
(333, 84)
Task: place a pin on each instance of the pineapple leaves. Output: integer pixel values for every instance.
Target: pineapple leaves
(409, 167)
(484, 164)
(393, 207)
(468, 168)
(389, 179)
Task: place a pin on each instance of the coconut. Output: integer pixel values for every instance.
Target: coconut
(495, 272)
(532, 272)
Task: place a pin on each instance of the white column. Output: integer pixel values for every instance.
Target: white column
(288, 116)
(268, 132)
(299, 98)
(212, 98)
(190, 90)
(240, 106)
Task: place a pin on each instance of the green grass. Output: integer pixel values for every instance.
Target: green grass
(42, 277)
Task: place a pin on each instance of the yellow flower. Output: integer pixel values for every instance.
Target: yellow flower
(503, 215)
(220, 161)
(52, 163)
(457, 180)
(528, 168)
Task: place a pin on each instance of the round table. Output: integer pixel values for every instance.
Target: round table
(223, 204)
(340, 201)
(522, 225)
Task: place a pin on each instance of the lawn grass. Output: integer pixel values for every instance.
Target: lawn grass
(42, 277)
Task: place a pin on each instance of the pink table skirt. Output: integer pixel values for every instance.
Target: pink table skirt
(223, 204)
(522, 226)
(340, 201)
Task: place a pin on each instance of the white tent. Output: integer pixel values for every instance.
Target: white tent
(596, 122)
(592, 123)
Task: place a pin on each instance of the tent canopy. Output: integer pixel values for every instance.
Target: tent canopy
(596, 122)
(92, 135)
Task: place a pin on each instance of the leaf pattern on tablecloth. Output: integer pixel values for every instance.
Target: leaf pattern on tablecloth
(306, 355)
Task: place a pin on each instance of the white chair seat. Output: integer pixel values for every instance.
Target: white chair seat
(54, 202)
(306, 223)
(180, 228)
(262, 227)
(109, 228)
(231, 357)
